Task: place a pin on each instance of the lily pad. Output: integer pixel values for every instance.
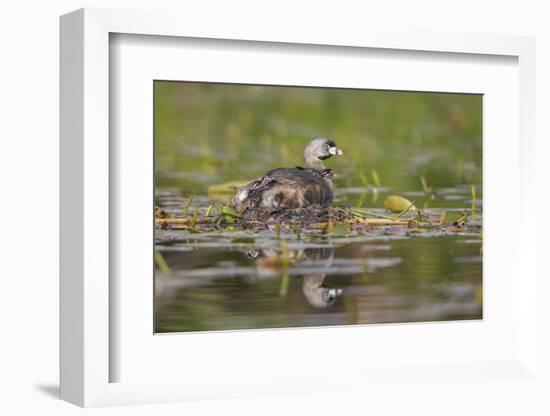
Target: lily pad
(396, 203)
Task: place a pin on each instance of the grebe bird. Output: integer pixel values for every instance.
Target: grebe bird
(288, 188)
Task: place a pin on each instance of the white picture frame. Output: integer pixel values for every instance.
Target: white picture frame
(86, 217)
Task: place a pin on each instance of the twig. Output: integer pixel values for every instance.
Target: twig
(360, 212)
(184, 221)
(405, 211)
(161, 263)
(186, 209)
(375, 178)
(427, 189)
(382, 221)
(473, 189)
(327, 227)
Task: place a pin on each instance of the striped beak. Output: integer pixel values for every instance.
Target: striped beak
(335, 151)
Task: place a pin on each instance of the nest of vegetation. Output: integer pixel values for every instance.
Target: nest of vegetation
(305, 216)
(315, 218)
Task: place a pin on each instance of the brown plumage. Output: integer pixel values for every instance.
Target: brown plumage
(289, 188)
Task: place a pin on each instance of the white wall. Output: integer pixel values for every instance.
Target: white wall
(29, 209)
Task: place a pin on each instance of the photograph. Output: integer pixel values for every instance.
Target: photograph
(305, 207)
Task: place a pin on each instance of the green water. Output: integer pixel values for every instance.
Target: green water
(208, 134)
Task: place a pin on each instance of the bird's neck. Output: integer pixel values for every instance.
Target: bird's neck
(314, 163)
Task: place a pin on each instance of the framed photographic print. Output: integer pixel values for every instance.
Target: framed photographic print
(234, 207)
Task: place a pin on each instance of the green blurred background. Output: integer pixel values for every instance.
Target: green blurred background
(212, 133)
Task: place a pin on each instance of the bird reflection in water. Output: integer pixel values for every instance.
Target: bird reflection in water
(317, 259)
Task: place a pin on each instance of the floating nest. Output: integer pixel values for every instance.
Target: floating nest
(305, 216)
(311, 218)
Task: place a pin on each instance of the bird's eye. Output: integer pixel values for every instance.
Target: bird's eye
(326, 146)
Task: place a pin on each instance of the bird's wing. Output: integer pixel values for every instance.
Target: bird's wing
(294, 177)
